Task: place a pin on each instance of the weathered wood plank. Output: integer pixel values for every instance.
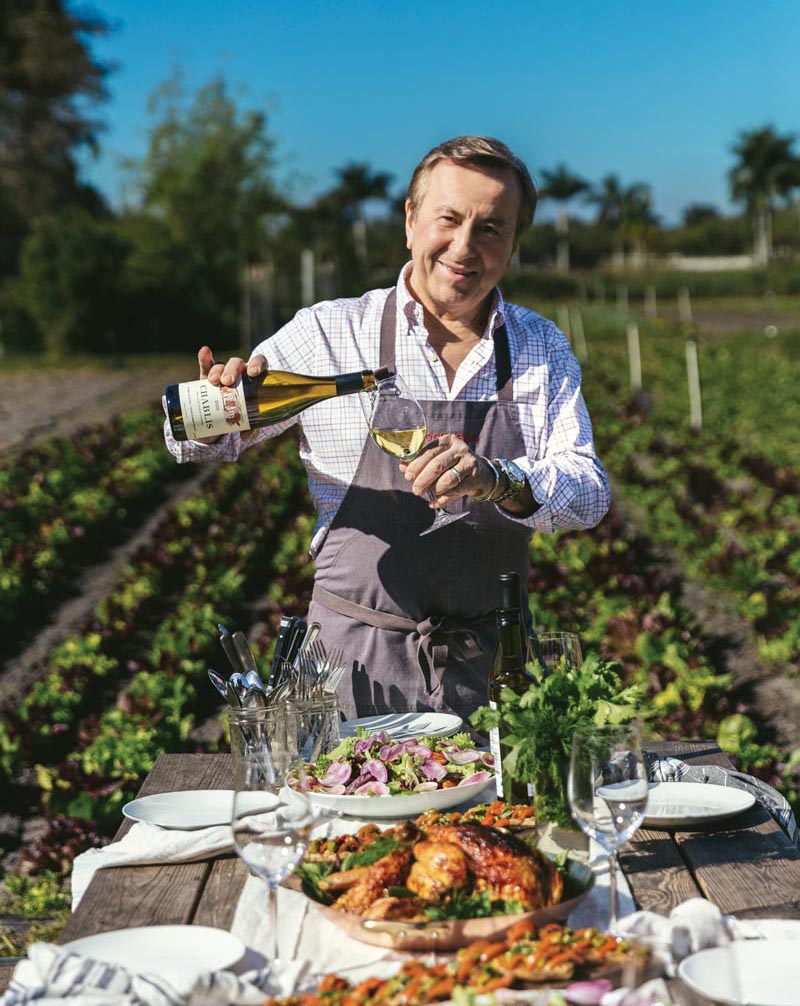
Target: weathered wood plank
(124, 897)
(744, 867)
(220, 895)
(657, 874)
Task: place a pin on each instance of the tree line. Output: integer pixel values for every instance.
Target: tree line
(207, 226)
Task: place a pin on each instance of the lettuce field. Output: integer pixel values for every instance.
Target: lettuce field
(116, 566)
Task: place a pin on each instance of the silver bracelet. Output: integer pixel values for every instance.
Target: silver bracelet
(496, 473)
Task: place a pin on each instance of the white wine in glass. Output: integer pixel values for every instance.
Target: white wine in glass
(397, 424)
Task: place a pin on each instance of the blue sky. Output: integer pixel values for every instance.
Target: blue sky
(656, 92)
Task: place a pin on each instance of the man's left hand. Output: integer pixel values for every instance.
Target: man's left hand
(450, 469)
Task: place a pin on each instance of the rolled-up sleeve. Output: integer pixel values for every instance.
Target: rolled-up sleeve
(566, 477)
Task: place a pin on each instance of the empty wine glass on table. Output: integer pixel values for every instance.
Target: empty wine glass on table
(397, 424)
(607, 790)
(272, 815)
(553, 648)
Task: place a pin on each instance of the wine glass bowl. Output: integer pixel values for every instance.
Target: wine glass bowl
(552, 649)
(607, 790)
(395, 418)
(396, 422)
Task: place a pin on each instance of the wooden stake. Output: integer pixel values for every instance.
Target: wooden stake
(693, 377)
(650, 308)
(578, 337)
(563, 320)
(307, 276)
(634, 357)
(684, 306)
(622, 299)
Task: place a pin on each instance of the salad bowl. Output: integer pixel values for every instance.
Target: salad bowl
(376, 776)
(401, 805)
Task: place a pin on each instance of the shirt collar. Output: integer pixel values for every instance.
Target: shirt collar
(412, 309)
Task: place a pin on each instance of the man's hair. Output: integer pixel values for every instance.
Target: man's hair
(482, 152)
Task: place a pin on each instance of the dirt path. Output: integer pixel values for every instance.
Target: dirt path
(52, 403)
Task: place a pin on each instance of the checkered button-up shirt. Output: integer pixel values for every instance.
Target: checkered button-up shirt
(342, 336)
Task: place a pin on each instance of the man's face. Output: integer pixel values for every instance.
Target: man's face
(461, 237)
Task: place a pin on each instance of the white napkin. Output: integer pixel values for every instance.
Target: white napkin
(55, 976)
(147, 844)
(691, 926)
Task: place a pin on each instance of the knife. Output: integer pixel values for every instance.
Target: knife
(244, 653)
(280, 642)
(296, 636)
(229, 648)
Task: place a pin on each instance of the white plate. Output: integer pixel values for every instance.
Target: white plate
(404, 726)
(408, 805)
(190, 809)
(767, 929)
(177, 953)
(756, 972)
(679, 804)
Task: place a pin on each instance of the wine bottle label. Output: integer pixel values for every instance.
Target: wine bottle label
(494, 747)
(209, 410)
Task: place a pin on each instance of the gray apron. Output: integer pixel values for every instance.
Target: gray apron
(416, 616)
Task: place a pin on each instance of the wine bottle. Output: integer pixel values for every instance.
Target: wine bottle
(508, 671)
(199, 409)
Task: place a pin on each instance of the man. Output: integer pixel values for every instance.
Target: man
(509, 439)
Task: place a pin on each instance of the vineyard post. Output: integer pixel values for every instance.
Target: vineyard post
(563, 321)
(684, 306)
(693, 376)
(650, 306)
(578, 336)
(307, 277)
(622, 299)
(634, 357)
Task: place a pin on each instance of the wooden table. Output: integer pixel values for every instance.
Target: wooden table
(749, 868)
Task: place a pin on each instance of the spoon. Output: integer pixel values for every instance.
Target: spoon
(218, 682)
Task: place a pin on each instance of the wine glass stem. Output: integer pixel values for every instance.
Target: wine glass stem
(272, 922)
(613, 912)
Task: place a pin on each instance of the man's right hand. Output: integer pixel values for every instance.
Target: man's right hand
(230, 372)
(227, 373)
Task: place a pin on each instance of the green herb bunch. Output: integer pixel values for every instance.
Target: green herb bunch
(537, 726)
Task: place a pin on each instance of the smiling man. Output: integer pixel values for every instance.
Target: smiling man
(509, 441)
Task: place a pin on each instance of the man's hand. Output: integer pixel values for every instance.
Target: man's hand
(230, 372)
(450, 469)
(227, 374)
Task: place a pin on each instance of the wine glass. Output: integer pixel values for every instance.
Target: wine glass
(607, 790)
(396, 423)
(553, 648)
(272, 815)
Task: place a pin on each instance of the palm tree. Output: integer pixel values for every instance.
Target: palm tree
(561, 185)
(626, 211)
(637, 219)
(609, 198)
(766, 169)
(357, 184)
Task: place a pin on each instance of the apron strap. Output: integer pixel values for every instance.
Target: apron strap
(502, 353)
(438, 635)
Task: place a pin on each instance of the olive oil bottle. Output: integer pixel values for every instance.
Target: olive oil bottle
(508, 671)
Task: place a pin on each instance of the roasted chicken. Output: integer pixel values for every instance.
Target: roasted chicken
(468, 858)
(503, 865)
(365, 884)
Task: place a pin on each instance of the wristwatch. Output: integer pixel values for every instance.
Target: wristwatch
(514, 476)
